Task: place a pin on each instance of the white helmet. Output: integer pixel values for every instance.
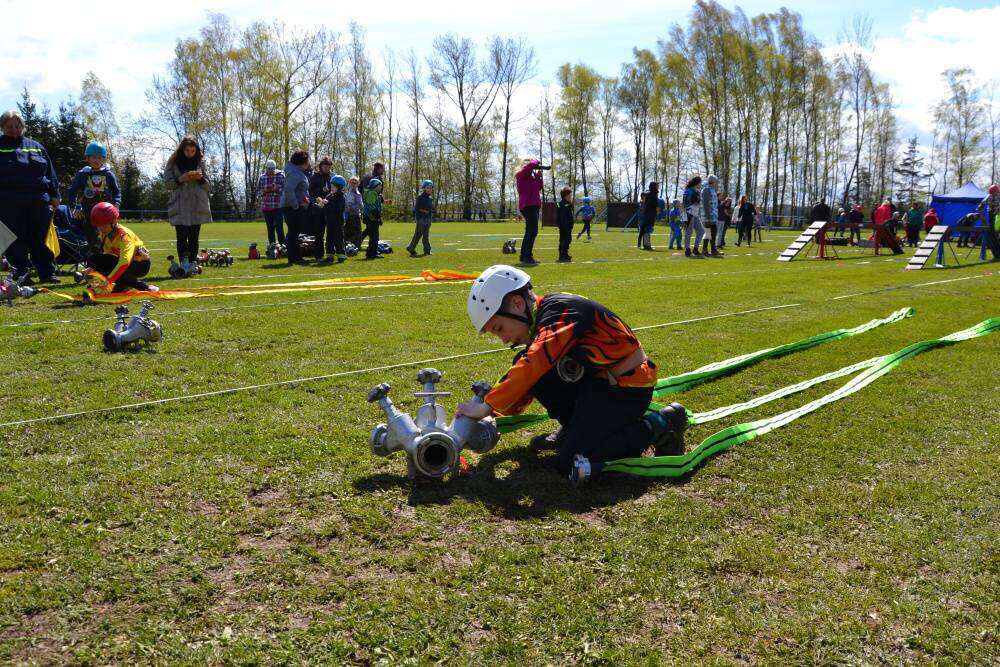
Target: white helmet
(489, 290)
(270, 165)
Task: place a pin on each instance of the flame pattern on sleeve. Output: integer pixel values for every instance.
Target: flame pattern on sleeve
(567, 324)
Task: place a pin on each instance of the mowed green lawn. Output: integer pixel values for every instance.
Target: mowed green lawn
(256, 526)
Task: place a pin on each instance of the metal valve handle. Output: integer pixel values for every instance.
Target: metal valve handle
(429, 375)
(481, 388)
(379, 392)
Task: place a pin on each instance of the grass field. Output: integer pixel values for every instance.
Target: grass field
(256, 526)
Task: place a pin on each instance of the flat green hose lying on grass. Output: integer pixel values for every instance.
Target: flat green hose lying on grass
(678, 466)
(680, 383)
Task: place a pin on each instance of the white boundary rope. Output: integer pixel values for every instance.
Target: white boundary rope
(167, 313)
(360, 371)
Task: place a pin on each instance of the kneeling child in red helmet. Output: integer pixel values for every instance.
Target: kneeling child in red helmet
(123, 259)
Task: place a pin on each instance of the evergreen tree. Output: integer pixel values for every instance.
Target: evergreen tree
(909, 175)
(132, 182)
(70, 141)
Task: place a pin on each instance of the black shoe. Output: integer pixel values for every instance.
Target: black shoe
(413, 253)
(51, 280)
(547, 441)
(427, 253)
(667, 428)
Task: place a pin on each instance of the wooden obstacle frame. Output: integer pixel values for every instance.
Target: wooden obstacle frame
(939, 238)
(817, 238)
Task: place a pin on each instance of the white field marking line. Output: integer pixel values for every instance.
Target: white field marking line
(278, 383)
(913, 286)
(187, 311)
(167, 313)
(360, 371)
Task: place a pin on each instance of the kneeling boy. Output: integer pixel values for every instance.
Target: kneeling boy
(121, 260)
(583, 364)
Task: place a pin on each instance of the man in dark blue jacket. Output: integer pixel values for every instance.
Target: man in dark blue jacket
(28, 186)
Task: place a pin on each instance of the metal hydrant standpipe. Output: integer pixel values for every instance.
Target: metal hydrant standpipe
(432, 445)
(128, 333)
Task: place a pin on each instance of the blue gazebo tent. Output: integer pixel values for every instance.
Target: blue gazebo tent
(951, 207)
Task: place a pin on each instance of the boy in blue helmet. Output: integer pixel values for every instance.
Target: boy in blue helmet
(423, 212)
(333, 216)
(585, 213)
(94, 183)
(371, 215)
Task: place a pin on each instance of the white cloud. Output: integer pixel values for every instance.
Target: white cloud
(929, 43)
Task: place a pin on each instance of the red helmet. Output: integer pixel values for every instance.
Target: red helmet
(994, 189)
(103, 213)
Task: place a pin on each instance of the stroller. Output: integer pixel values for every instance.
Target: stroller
(74, 246)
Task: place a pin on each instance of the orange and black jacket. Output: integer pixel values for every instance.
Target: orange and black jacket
(567, 324)
(123, 243)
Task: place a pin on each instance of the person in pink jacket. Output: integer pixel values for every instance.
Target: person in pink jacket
(529, 200)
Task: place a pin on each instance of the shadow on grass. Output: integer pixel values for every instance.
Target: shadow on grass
(533, 489)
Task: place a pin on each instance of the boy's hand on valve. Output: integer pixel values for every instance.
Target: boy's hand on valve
(474, 410)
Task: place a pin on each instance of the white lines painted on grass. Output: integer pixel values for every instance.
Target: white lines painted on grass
(913, 286)
(328, 376)
(168, 313)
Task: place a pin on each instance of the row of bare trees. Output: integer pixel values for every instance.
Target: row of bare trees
(752, 99)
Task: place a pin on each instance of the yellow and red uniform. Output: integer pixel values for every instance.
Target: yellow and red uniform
(586, 331)
(124, 244)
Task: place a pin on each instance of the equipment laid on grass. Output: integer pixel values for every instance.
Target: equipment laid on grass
(220, 257)
(253, 253)
(384, 248)
(433, 447)
(355, 282)
(276, 251)
(866, 371)
(11, 289)
(351, 250)
(681, 383)
(307, 245)
(509, 247)
(678, 466)
(127, 333)
(182, 270)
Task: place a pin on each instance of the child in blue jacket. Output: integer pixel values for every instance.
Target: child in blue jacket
(585, 213)
(94, 183)
(674, 218)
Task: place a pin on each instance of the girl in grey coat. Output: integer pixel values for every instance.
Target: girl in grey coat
(188, 207)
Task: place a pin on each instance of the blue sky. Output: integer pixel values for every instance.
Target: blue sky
(127, 42)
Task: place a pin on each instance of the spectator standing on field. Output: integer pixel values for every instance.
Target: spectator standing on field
(914, 220)
(423, 215)
(745, 215)
(710, 210)
(691, 209)
(269, 187)
(295, 202)
(29, 189)
(188, 207)
(353, 204)
(529, 201)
